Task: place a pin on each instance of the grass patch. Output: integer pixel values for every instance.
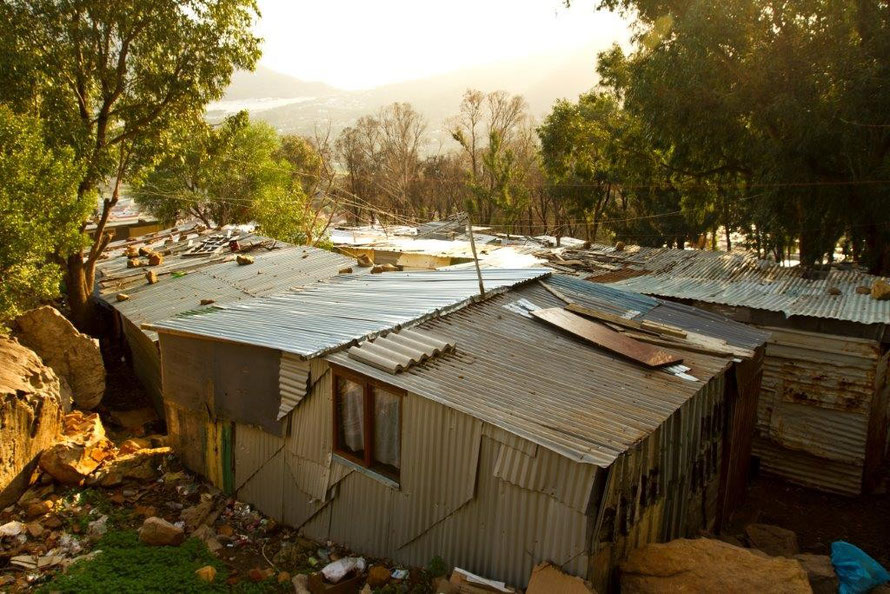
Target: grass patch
(127, 565)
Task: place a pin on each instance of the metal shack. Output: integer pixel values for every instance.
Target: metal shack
(198, 266)
(823, 415)
(405, 416)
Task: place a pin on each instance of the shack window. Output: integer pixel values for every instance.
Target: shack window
(367, 423)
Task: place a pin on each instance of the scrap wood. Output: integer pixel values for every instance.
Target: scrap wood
(604, 316)
(557, 293)
(607, 338)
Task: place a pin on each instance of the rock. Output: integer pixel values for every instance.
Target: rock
(155, 259)
(207, 301)
(206, 535)
(863, 290)
(619, 246)
(38, 508)
(548, 578)
(283, 577)
(84, 448)
(194, 516)
(259, 575)
(772, 540)
(378, 575)
(141, 465)
(834, 291)
(134, 419)
(225, 530)
(384, 268)
(243, 259)
(31, 405)
(74, 356)
(364, 261)
(144, 250)
(161, 533)
(820, 572)
(880, 290)
(301, 584)
(122, 297)
(347, 270)
(131, 252)
(206, 573)
(705, 565)
(151, 277)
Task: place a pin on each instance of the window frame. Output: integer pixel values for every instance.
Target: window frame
(368, 384)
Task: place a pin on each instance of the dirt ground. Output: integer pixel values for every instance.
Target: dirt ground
(818, 518)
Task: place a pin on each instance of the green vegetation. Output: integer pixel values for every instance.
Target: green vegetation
(40, 213)
(127, 565)
(110, 81)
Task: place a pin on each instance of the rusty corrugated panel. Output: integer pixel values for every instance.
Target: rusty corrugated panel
(293, 379)
(817, 399)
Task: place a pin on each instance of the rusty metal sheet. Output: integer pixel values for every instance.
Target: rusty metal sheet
(607, 338)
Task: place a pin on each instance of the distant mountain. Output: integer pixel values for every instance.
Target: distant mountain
(292, 105)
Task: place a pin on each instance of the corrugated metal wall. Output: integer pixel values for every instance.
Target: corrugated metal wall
(666, 487)
(473, 494)
(146, 362)
(816, 406)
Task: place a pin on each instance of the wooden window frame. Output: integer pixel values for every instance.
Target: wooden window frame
(367, 383)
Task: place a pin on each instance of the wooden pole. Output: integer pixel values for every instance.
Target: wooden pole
(475, 257)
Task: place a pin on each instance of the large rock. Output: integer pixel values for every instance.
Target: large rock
(74, 356)
(30, 415)
(141, 465)
(772, 540)
(820, 572)
(880, 290)
(161, 533)
(82, 450)
(705, 565)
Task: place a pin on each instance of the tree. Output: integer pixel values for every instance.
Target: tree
(110, 80)
(39, 213)
(779, 111)
(217, 173)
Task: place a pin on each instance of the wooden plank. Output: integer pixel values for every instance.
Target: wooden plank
(604, 316)
(663, 329)
(606, 338)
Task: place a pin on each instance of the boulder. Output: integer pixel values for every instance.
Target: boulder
(880, 290)
(30, 415)
(74, 356)
(705, 565)
(243, 260)
(378, 575)
(141, 465)
(83, 448)
(820, 572)
(772, 540)
(206, 574)
(158, 532)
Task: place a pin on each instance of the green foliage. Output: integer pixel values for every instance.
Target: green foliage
(127, 565)
(110, 80)
(437, 567)
(773, 118)
(40, 213)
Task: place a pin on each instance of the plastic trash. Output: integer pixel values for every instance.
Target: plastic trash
(856, 571)
(336, 571)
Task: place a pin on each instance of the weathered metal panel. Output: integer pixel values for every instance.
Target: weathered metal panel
(361, 515)
(434, 480)
(818, 399)
(293, 382)
(347, 308)
(311, 422)
(265, 489)
(397, 351)
(548, 473)
(253, 449)
(146, 359)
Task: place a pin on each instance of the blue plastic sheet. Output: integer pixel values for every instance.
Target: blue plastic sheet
(857, 572)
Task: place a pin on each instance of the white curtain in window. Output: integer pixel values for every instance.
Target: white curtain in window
(387, 443)
(351, 410)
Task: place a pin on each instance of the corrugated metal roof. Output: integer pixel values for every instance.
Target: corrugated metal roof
(541, 384)
(325, 316)
(398, 351)
(183, 281)
(293, 381)
(734, 279)
(632, 305)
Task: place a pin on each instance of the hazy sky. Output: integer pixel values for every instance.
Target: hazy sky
(356, 44)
